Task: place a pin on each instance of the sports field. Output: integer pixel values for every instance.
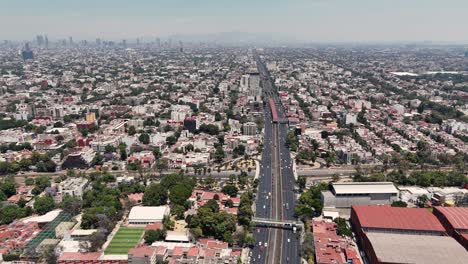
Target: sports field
(125, 239)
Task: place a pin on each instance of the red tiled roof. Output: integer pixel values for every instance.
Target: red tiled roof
(331, 248)
(161, 250)
(213, 243)
(154, 226)
(178, 251)
(192, 252)
(142, 251)
(79, 256)
(135, 197)
(457, 216)
(380, 216)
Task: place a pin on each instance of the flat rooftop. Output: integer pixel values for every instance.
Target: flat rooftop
(364, 187)
(148, 212)
(399, 248)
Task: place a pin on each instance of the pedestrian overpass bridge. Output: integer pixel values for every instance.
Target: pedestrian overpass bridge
(283, 224)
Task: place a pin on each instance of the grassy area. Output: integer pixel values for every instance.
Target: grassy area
(125, 239)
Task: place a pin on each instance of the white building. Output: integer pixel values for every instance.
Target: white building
(102, 142)
(142, 215)
(180, 112)
(351, 118)
(344, 195)
(249, 129)
(73, 187)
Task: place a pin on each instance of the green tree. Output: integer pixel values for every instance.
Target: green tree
(230, 190)
(422, 201)
(97, 160)
(178, 211)
(399, 204)
(342, 228)
(71, 204)
(144, 138)
(8, 187)
(171, 140)
(131, 130)
(168, 223)
(42, 183)
(180, 193)
(155, 195)
(152, 236)
(44, 204)
(218, 156)
(301, 183)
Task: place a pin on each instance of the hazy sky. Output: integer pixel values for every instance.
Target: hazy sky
(311, 20)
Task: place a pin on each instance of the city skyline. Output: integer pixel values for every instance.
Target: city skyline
(293, 21)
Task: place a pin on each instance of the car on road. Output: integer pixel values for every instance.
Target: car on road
(266, 244)
(259, 243)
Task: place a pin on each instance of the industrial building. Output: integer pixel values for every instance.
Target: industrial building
(388, 219)
(406, 248)
(415, 233)
(142, 215)
(344, 195)
(455, 221)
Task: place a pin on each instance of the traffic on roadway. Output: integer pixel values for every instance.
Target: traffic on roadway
(275, 197)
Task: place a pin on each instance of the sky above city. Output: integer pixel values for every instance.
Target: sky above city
(303, 20)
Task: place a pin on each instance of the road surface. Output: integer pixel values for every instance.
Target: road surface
(275, 197)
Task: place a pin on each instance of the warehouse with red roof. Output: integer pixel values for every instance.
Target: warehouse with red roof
(384, 218)
(455, 221)
(415, 233)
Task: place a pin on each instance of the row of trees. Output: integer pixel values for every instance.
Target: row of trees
(211, 222)
(42, 163)
(309, 204)
(42, 205)
(420, 178)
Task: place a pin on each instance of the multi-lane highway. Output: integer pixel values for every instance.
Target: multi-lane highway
(275, 197)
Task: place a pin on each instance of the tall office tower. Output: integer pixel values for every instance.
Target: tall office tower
(466, 54)
(158, 43)
(181, 46)
(244, 83)
(98, 42)
(138, 41)
(40, 40)
(124, 43)
(254, 86)
(27, 53)
(46, 40)
(70, 40)
(169, 43)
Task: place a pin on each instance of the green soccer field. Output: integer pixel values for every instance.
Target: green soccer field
(125, 239)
